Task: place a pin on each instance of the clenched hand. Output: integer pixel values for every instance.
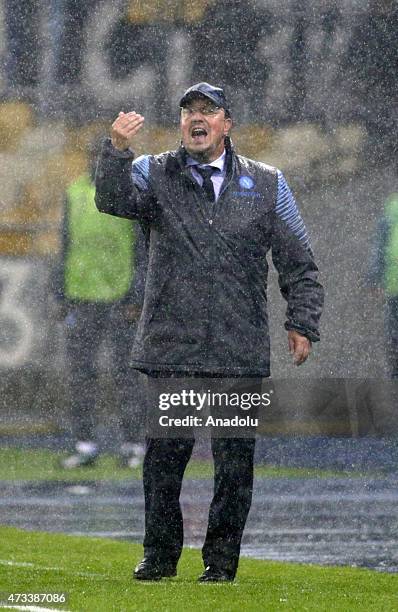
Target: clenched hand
(299, 346)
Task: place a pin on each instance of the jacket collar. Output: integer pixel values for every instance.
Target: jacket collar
(176, 161)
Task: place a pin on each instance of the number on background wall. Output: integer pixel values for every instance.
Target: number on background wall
(16, 327)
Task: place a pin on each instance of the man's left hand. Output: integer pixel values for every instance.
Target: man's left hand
(299, 346)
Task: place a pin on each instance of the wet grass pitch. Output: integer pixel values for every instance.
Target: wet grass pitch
(315, 517)
(96, 575)
(40, 464)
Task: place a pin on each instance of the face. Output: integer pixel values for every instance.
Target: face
(203, 128)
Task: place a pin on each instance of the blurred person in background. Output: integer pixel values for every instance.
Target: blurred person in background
(371, 63)
(212, 216)
(99, 286)
(382, 276)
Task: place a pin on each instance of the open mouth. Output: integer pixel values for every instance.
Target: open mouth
(198, 134)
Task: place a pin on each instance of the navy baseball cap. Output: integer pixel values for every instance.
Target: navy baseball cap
(215, 94)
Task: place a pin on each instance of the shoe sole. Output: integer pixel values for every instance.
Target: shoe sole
(172, 574)
(227, 580)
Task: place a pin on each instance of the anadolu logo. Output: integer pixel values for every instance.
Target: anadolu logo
(246, 182)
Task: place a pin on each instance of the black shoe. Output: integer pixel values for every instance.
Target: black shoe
(151, 569)
(215, 574)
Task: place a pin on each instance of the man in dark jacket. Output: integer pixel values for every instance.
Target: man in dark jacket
(212, 216)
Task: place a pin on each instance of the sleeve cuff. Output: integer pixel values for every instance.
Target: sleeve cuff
(113, 152)
(312, 335)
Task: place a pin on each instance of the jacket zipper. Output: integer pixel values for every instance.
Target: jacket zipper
(210, 222)
(223, 190)
(211, 288)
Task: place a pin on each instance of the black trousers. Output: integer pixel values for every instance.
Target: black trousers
(164, 466)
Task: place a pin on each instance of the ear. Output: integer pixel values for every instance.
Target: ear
(227, 125)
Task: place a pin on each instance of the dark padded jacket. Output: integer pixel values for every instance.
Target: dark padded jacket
(205, 307)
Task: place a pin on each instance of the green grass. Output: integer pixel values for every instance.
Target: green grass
(96, 574)
(19, 464)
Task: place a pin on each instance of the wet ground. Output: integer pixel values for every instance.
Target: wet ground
(339, 521)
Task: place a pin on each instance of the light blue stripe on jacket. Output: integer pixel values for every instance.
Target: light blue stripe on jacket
(287, 210)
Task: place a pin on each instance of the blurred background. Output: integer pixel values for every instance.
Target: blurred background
(312, 87)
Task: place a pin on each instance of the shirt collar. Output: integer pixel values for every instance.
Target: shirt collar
(217, 163)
